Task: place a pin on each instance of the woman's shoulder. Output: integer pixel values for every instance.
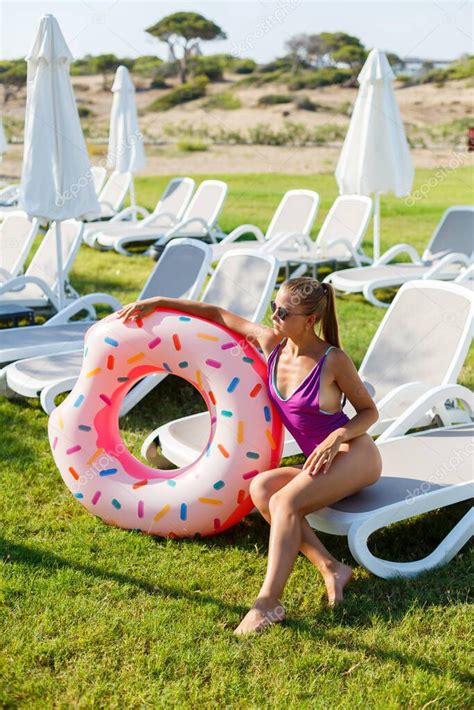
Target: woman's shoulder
(338, 360)
(336, 355)
(272, 346)
(270, 343)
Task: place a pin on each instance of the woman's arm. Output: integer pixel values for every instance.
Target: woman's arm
(255, 333)
(349, 382)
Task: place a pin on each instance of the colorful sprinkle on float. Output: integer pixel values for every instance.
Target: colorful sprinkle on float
(246, 434)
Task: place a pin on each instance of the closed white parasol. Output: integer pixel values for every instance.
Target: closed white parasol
(56, 179)
(126, 152)
(375, 157)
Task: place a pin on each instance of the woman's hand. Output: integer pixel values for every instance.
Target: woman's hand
(137, 310)
(323, 455)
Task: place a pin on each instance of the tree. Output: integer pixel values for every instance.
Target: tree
(185, 30)
(297, 48)
(306, 50)
(106, 64)
(350, 54)
(12, 77)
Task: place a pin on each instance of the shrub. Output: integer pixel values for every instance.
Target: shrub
(225, 100)
(283, 63)
(158, 83)
(321, 77)
(257, 79)
(167, 70)
(462, 68)
(212, 67)
(191, 145)
(146, 66)
(244, 66)
(189, 91)
(305, 104)
(272, 99)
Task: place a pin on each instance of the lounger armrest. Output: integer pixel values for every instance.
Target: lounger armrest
(176, 230)
(350, 248)
(83, 303)
(455, 258)
(5, 275)
(106, 203)
(434, 396)
(465, 275)
(9, 190)
(394, 251)
(414, 390)
(130, 211)
(19, 283)
(244, 229)
(272, 245)
(49, 393)
(156, 217)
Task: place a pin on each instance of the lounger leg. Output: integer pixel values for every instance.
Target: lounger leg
(369, 295)
(49, 393)
(5, 390)
(452, 543)
(141, 389)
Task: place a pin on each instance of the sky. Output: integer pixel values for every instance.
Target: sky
(255, 28)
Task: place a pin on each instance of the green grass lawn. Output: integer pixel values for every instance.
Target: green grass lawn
(95, 616)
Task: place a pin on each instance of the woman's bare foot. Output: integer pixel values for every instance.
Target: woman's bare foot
(336, 577)
(259, 616)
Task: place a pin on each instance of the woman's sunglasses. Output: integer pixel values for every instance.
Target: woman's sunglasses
(282, 313)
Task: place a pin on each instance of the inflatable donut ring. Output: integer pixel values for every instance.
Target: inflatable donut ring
(205, 497)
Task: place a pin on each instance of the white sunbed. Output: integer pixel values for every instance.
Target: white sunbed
(450, 250)
(99, 173)
(169, 211)
(37, 287)
(403, 361)
(55, 374)
(17, 234)
(54, 351)
(198, 221)
(466, 278)
(339, 240)
(293, 219)
(112, 196)
(421, 472)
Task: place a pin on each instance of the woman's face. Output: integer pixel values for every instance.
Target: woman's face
(288, 317)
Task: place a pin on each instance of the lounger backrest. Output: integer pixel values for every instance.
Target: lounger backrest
(454, 233)
(243, 282)
(180, 271)
(175, 198)
(115, 189)
(206, 204)
(424, 337)
(347, 219)
(17, 234)
(295, 213)
(98, 176)
(44, 265)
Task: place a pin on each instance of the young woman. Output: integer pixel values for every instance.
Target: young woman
(307, 375)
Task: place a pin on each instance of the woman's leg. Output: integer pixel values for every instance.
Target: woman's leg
(356, 465)
(336, 575)
(263, 487)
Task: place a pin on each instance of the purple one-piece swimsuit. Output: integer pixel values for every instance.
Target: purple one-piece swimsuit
(300, 412)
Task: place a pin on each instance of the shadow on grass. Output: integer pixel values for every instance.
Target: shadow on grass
(368, 599)
(34, 557)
